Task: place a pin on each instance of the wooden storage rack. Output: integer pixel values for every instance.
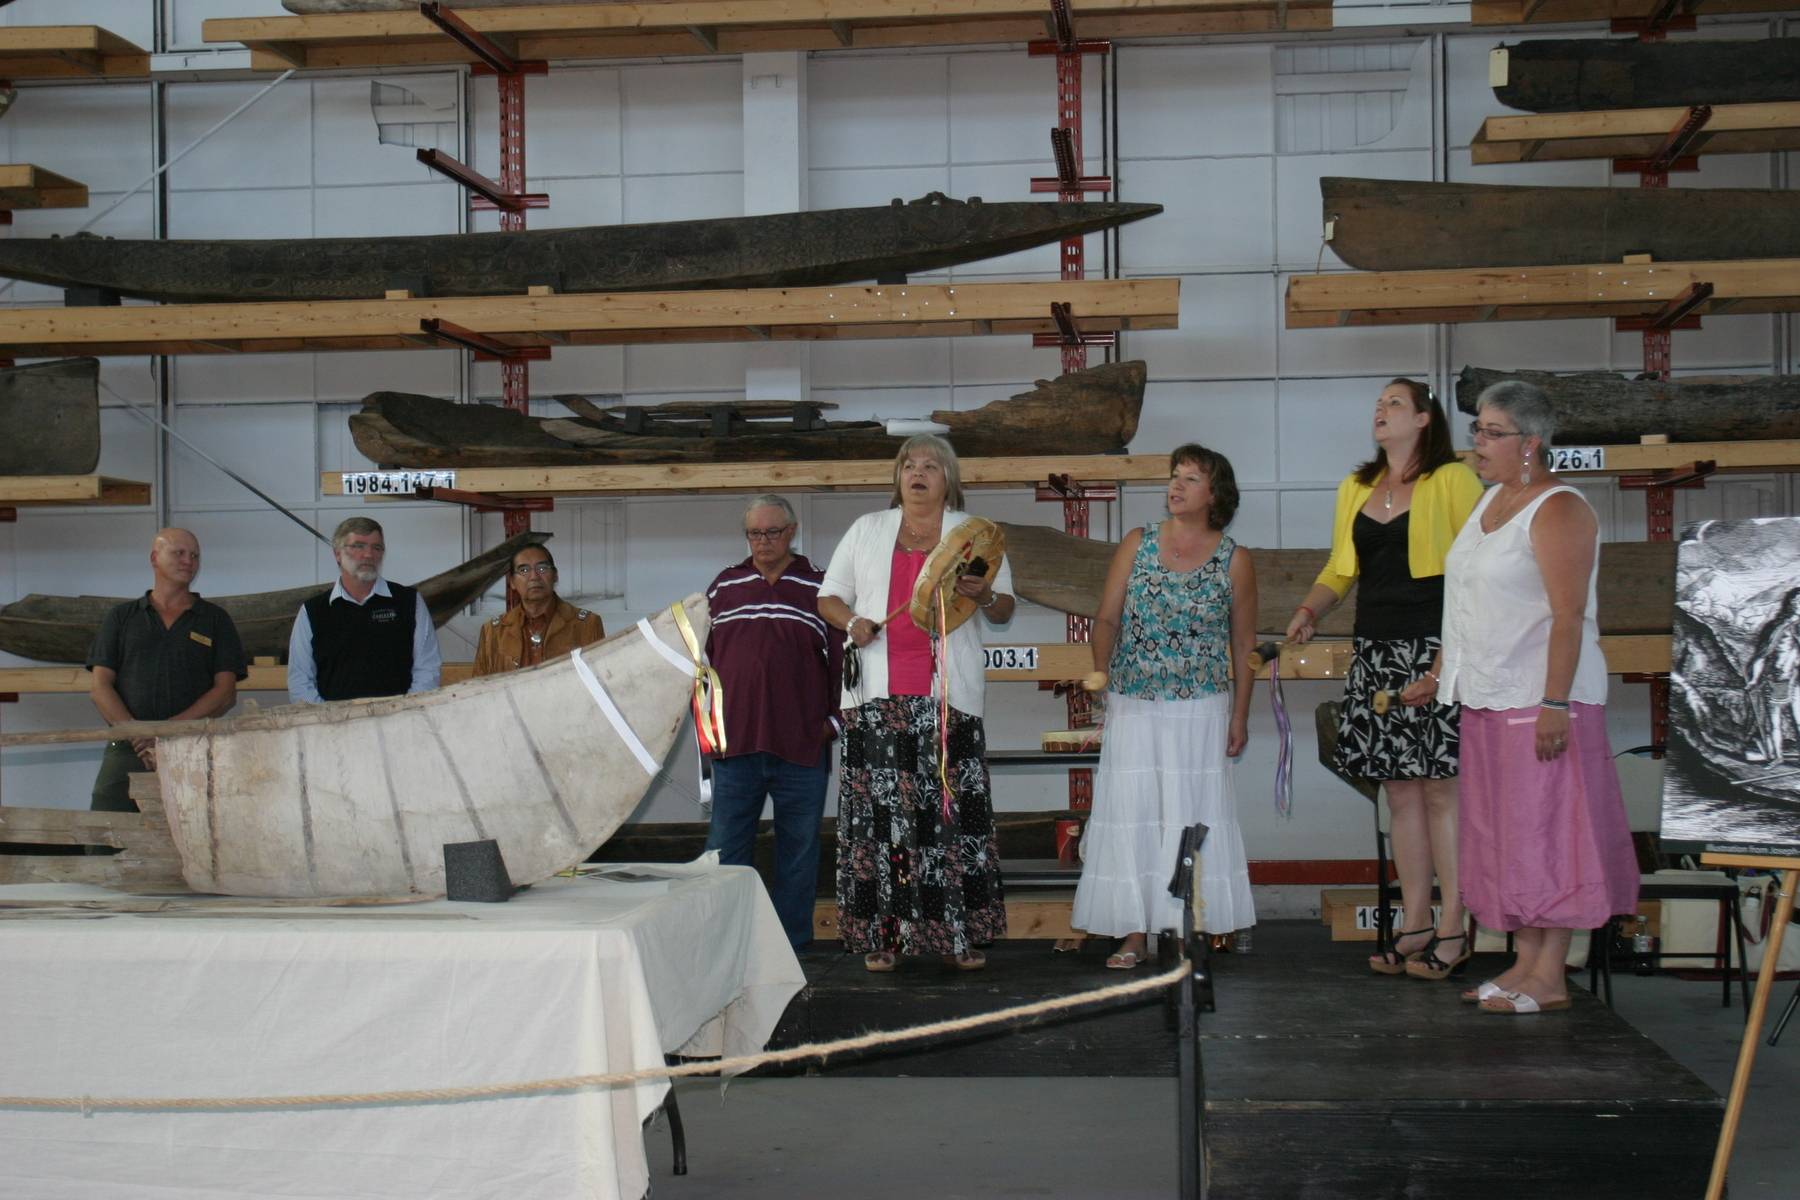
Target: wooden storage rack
(24, 185)
(566, 32)
(38, 491)
(1634, 133)
(69, 52)
(1538, 293)
(612, 318)
(836, 475)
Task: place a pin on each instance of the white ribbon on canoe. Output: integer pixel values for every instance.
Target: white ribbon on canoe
(632, 742)
(676, 658)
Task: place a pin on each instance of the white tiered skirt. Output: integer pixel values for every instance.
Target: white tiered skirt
(1162, 768)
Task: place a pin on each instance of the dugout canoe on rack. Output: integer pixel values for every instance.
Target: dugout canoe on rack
(1636, 584)
(357, 799)
(50, 413)
(62, 628)
(1091, 411)
(1598, 74)
(1607, 409)
(829, 246)
(1402, 225)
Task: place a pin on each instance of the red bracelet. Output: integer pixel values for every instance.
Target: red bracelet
(1312, 617)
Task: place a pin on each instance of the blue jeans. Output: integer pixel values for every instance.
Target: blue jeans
(740, 783)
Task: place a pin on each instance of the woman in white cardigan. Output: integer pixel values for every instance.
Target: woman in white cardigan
(911, 881)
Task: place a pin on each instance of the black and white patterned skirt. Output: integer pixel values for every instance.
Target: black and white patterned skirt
(1403, 743)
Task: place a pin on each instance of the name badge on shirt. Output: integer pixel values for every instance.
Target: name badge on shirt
(200, 637)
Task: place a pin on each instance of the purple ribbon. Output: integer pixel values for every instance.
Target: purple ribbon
(1284, 757)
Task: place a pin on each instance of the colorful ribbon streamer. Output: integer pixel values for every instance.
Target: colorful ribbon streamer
(1284, 756)
(709, 691)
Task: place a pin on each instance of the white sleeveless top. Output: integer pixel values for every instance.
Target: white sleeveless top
(1496, 633)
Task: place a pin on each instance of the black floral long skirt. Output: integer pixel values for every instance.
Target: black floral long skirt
(1403, 743)
(908, 881)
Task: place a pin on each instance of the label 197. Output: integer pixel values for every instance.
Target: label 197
(395, 483)
(1011, 658)
(1578, 458)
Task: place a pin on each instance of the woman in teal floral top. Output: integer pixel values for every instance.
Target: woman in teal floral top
(1173, 635)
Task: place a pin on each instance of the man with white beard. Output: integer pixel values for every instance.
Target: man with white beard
(366, 636)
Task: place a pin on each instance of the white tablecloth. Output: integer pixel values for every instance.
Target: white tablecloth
(571, 977)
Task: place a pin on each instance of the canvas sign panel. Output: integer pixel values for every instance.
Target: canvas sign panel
(1732, 783)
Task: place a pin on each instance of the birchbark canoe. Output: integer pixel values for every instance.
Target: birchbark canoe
(1403, 225)
(62, 628)
(1092, 411)
(830, 246)
(356, 799)
(50, 413)
(1636, 584)
(1603, 408)
(1591, 75)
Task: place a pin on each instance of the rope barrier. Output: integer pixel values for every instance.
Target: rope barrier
(86, 1105)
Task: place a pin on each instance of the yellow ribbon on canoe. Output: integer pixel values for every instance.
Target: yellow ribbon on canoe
(709, 690)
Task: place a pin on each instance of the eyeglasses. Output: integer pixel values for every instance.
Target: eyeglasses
(368, 547)
(1485, 433)
(524, 569)
(766, 535)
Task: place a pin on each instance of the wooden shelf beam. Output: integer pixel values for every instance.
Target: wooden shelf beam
(656, 28)
(69, 52)
(23, 186)
(1562, 12)
(1634, 133)
(1536, 293)
(525, 322)
(839, 475)
(40, 491)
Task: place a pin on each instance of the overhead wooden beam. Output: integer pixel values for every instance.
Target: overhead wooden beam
(33, 491)
(23, 185)
(1534, 293)
(786, 314)
(649, 28)
(68, 52)
(849, 475)
(1633, 133)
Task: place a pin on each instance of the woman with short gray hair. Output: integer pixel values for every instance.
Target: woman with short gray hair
(1544, 848)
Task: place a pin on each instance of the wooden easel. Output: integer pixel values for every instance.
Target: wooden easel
(1759, 1003)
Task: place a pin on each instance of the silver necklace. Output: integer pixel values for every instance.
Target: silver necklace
(1388, 502)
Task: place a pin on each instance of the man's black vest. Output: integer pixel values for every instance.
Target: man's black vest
(363, 649)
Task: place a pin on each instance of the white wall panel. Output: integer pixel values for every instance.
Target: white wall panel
(675, 547)
(849, 364)
(1305, 518)
(223, 378)
(345, 141)
(682, 197)
(581, 369)
(1364, 350)
(1727, 341)
(1566, 173)
(1236, 419)
(252, 550)
(1004, 360)
(353, 374)
(243, 212)
(1537, 345)
(75, 553)
(1003, 106)
(672, 367)
(573, 124)
(268, 145)
(127, 444)
(391, 210)
(256, 441)
(1227, 331)
(877, 112)
(1182, 101)
(683, 118)
(56, 127)
(336, 451)
(1327, 426)
(1217, 215)
(573, 202)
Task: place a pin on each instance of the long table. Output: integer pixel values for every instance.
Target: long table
(210, 997)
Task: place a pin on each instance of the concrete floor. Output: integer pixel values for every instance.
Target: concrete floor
(944, 1139)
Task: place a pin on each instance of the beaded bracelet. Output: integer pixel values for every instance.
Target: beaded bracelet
(1555, 705)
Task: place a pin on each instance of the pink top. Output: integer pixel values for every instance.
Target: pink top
(908, 646)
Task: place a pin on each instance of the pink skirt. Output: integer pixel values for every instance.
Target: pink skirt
(1542, 844)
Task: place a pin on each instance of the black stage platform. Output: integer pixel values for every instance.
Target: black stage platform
(1322, 1079)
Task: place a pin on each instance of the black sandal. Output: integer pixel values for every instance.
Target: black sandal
(1392, 962)
(1430, 966)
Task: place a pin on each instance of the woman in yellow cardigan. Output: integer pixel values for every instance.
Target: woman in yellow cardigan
(1394, 524)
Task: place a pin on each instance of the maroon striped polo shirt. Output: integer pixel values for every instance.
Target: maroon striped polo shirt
(780, 663)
